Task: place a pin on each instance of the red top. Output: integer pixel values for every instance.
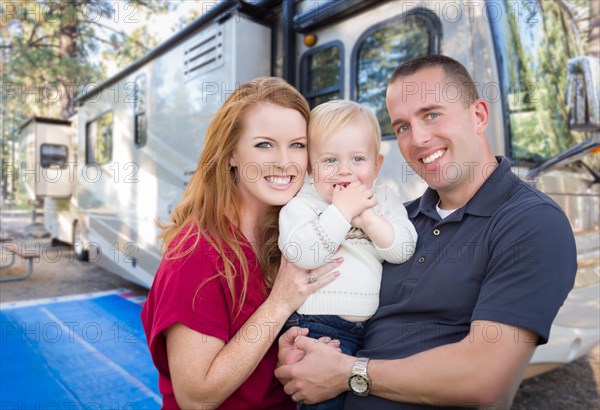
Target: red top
(176, 297)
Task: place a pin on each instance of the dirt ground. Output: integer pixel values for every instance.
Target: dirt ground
(573, 386)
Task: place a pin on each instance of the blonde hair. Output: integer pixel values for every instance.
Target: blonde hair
(211, 202)
(329, 117)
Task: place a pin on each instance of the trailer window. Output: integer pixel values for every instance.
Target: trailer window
(384, 47)
(321, 73)
(53, 155)
(99, 139)
(534, 43)
(139, 112)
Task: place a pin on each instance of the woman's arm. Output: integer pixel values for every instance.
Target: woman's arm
(205, 371)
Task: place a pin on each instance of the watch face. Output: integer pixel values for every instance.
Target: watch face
(359, 384)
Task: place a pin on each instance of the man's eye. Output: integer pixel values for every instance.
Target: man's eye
(432, 116)
(298, 145)
(263, 145)
(402, 128)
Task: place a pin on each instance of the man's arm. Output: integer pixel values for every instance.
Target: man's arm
(476, 371)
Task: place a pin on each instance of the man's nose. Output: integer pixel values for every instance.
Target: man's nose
(420, 135)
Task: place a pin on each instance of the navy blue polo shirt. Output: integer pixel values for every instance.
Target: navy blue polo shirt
(507, 256)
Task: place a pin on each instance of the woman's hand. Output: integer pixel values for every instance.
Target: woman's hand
(293, 285)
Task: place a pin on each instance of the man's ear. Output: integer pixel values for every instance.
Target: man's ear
(482, 115)
(378, 163)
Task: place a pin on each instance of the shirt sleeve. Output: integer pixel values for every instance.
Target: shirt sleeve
(405, 236)
(309, 239)
(533, 261)
(185, 291)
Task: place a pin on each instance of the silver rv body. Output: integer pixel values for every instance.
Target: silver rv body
(141, 132)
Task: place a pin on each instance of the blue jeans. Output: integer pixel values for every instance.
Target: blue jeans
(350, 334)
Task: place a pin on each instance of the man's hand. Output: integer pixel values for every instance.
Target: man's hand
(288, 352)
(321, 375)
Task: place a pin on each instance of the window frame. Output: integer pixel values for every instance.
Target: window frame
(87, 138)
(304, 71)
(434, 26)
(43, 165)
(140, 142)
(500, 58)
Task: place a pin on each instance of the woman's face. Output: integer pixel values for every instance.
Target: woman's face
(270, 156)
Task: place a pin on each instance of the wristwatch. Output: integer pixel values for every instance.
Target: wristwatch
(359, 380)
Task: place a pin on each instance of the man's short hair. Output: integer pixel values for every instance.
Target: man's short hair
(455, 72)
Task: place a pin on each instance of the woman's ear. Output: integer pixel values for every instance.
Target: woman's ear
(232, 162)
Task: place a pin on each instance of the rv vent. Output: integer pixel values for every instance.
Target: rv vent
(203, 53)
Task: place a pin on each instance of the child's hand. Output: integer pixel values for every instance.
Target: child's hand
(365, 219)
(353, 200)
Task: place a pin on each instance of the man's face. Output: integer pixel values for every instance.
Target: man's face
(439, 136)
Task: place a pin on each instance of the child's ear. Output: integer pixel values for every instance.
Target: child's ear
(378, 163)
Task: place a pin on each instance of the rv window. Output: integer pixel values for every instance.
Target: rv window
(53, 154)
(533, 48)
(99, 140)
(383, 48)
(321, 74)
(139, 112)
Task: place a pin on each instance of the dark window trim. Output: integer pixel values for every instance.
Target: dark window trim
(494, 26)
(87, 137)
(304, 71)
(56, 145)
(137, 112)
(135, 130)
(434, 26)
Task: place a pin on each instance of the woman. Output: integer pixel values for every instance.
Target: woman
(220, 295)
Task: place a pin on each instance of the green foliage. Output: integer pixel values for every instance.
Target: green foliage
(50, 50)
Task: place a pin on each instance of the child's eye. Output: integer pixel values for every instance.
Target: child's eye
(358, 159)
(298, 145)
(329, 160)
(263, 145)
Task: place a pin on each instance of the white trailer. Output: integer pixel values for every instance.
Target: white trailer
(141, 132)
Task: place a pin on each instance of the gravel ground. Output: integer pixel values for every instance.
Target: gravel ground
(573, 386)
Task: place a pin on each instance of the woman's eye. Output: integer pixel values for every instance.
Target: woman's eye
(263, 145)
(299, 145)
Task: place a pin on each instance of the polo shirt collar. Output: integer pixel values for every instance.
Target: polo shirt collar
(486, 200)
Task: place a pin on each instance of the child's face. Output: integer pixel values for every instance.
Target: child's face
(348, 155)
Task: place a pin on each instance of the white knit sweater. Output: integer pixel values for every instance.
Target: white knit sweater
(310, 233)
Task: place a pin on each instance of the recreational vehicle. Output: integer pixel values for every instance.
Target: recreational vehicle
(140, 133)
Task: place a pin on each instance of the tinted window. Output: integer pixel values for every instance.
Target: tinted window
(535, 43)
(99, 139)
(322, 74)
(380, 51)
(139, 111)
(53, 154)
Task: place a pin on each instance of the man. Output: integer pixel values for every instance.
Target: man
(495, 260)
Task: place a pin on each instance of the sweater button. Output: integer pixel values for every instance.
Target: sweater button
(436, 232)
(421, 259)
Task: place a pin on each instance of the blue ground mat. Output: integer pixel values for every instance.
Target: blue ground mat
(76, 352)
